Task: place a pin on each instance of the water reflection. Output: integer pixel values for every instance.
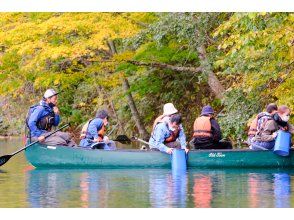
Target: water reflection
(180, 188)
(169, 190)
(158, 188)
(282, 189)
(260, 190)
(23, 186)
(202, 191)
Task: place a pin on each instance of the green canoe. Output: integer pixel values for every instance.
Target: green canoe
(42, 156)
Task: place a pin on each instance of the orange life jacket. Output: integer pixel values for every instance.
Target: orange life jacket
(84, 130)
(253, 127)
(157, 120)
(202, 127)
(102, 131)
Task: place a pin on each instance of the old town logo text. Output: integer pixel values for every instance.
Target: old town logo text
(216, 155)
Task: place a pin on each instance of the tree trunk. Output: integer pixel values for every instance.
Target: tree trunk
(126, 86)
(121, 127)
(111, 46)
(213, 82)
(135, 114)
(111, 109)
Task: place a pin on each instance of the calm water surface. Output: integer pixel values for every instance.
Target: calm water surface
(23, 186)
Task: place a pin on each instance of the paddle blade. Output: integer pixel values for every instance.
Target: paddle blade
(123, 139)
(4, 159)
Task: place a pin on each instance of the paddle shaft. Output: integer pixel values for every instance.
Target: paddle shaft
(20, 150)
(109, 133)
(144, 142)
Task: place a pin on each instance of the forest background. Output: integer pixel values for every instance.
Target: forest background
(133, 63)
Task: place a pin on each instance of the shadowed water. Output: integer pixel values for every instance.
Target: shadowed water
(23, 186)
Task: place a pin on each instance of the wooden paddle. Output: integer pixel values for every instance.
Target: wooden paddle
(5, 158)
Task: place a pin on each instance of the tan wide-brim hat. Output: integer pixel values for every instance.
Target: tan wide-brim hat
(169, 109)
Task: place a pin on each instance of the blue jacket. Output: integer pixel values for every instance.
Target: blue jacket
(37, 113)
(92, 133)
(161, 132)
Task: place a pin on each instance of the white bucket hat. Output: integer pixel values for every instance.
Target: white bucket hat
(169, 109)
(49, 93)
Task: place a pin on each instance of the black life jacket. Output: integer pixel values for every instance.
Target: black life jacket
(280, 122)
(47, 122)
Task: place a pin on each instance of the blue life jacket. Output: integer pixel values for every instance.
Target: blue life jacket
(44, 123)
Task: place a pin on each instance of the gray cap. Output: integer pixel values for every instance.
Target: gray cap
(49, 93)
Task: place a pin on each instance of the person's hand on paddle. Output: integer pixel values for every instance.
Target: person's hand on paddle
(169, 150)
(56, 110)
(41, 139)
(106, 139)
(186, 150)
(99, 139)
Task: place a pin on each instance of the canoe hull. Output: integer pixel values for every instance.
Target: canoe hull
(66, 157)
(42, 156)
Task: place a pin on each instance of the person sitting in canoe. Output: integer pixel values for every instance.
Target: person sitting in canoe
(169, 134)
(42, 117)
(93, 133)
(168, 110)
(271, 109)
(267, 129)
(207, 133)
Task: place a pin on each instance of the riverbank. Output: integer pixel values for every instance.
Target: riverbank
(8, 137)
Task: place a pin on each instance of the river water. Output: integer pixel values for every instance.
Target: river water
(21, 185)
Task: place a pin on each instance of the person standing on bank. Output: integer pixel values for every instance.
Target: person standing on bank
(207, 133)
(42, 117)
(93, 133)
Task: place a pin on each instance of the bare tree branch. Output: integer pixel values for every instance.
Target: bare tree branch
(167, 66)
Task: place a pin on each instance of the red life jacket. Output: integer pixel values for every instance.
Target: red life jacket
(173, 136)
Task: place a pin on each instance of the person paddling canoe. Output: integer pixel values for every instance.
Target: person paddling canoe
(42, 117)
(169, 134)
(93, 133)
